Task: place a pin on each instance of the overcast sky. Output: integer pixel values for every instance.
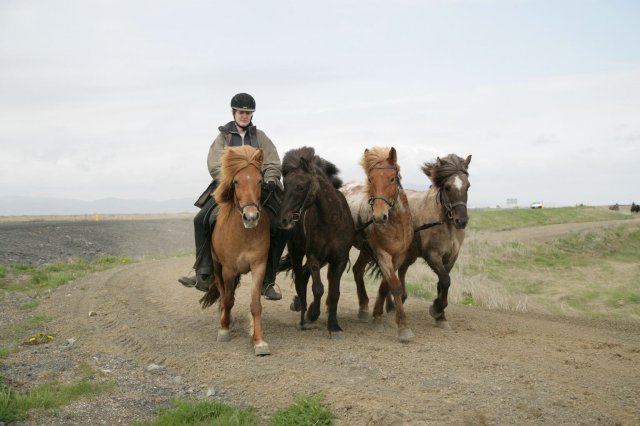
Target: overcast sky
(123, 98)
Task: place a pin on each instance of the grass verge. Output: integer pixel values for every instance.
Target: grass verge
(505, 219)
(19, 277)
(15, 406)
(591, 274)
(306, 410)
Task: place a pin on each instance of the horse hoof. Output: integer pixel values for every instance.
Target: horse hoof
(435, 315)
(378, 325)
(405, 335)
(443, 325)
(312, 314)
(364, 316)
(224, 336)
(261, 349)
(295, 306)
(336, 335)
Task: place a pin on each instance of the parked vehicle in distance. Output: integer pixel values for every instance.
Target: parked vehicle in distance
(537, 205)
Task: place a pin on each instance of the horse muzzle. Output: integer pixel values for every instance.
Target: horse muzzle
(250, 219)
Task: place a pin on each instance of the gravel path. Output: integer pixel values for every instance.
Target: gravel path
(151, 338)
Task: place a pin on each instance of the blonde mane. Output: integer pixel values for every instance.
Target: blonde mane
(373, 156)
(233, 160)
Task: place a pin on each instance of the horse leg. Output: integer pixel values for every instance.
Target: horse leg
(226, 303)
(402, 273)
(260, 347)
(436, 310)
(394, 286)
(301, 279)
(383, 291)
(363, 298)
(334, 274)
(317, 288)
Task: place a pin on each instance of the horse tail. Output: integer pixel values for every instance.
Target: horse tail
(210, 297)
(373, 270)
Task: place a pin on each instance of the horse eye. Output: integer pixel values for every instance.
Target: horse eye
(369, 179)
(393, 179)
(300, 188)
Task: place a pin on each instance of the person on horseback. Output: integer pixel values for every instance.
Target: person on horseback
(240, 131)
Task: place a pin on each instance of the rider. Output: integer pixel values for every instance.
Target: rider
(240, 131)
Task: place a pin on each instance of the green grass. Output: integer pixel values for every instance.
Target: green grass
(18, 277)
(203, 413)
(307, 410)
(15, 406)
(505, 219)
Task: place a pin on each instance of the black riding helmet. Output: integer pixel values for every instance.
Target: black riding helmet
(243, 102)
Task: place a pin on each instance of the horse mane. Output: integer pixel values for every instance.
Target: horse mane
(233, 160)
(328, 170)
(443, 168)
(373, 156)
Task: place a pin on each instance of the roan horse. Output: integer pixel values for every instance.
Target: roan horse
(321, 229)
(384, 233)
(240, 239)
(439, 219)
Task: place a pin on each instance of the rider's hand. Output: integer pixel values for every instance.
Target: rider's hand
(270, 186)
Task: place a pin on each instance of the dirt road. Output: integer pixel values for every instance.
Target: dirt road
(493, 367)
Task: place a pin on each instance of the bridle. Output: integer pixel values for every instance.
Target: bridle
(295, 216)
(390, 203)
(232, 189)
(448, 206)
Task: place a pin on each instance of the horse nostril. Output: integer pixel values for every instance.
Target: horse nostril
(385, 218)
(257, 215)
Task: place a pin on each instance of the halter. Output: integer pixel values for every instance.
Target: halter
(390, 203)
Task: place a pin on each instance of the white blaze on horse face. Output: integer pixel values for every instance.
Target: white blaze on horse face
(457, 182)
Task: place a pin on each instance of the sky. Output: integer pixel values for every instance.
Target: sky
(123, 98)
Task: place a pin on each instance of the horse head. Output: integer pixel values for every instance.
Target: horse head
(300, 185)
(383, 181)
(241, 182)
(450, 176)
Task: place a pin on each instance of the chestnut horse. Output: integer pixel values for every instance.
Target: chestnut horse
(321, 230)
(381, 214)
(240, 239)
(439, 219)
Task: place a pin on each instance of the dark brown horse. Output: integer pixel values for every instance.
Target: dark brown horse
(384, 233)
(635, 208)
(439, 218)
(240, 239)
(321, 229)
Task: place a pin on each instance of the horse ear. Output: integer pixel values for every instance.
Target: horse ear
(258, 156)
(467, 161)
(426, 169)
(393, 156)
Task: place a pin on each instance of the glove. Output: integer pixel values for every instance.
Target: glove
(270, 186)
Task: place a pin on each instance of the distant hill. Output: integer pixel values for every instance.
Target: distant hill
(15, 206)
